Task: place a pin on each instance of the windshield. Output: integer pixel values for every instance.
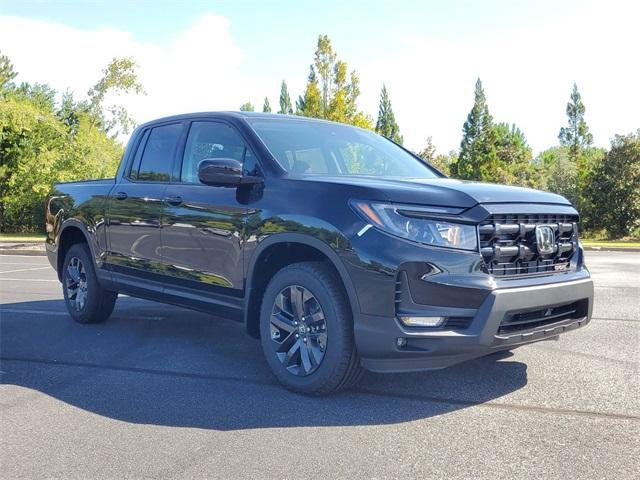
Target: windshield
(310, 147)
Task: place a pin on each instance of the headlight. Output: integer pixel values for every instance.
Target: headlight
(420, 224)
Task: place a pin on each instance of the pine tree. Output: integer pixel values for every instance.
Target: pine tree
(300, 104)
(7, 73)
(266, 107)
(576, 135)
(285, 100)
(310, 104)
(386, 124)
(478, 158)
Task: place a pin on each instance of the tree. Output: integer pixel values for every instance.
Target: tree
(478, 158)
(576, 135)
(386, 124)
(577, 139)
(41, 95)
(428, 153)
(511, 145)
(338, 105)
(43, 142)
(310, 104)
(515, 159)
(615, 187)
(331, 92)
(266, 107)
(119, 77)
(325, 59)
(353, 92)
(560, 172)
(246, 107)
(285, 101)
(441, 161)
(7, 73)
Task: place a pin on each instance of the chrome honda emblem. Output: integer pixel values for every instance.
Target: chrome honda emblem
(545, 240)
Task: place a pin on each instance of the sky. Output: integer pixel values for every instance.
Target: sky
(215, 55)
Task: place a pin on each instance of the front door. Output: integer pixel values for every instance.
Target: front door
(203, 225)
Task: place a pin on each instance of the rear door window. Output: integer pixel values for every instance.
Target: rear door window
(156, 162)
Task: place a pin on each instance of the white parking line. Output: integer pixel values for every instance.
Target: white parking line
(28, 280)
(35, 312)
(25, 270)
(15, 263)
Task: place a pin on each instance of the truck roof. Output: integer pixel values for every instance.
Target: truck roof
(231, 114)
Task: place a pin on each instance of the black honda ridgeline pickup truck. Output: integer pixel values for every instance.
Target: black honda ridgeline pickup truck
(337, 248)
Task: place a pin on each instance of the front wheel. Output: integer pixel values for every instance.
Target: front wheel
(306, 330)
(86, 300)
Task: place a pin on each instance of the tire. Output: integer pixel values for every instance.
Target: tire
(326, 359)
(86, 300)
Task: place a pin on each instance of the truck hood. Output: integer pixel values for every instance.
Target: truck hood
(438, 191)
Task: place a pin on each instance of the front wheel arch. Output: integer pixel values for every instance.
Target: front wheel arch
(279, 251)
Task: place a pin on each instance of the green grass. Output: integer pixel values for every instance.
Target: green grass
(610, 243)
(21, 237)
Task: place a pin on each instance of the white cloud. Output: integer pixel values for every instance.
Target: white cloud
(199, 70)
(527, 75)
(527, 71)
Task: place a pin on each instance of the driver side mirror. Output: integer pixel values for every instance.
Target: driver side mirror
(223, 172)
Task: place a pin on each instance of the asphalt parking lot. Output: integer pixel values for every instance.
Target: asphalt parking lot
(164, 392)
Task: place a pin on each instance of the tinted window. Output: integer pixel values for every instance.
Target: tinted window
(212, 140)
(157, 158)
(133, 172)
(303, 146)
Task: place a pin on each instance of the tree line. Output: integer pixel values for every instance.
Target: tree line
(47, 138)
(44, 139)
(603, 184)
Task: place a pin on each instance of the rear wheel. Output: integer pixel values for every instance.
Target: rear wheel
(306, 330)
(86, 300)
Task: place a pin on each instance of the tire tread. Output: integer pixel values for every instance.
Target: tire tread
(349, 362)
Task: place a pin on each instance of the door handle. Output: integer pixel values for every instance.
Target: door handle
(120, 196)
(173, 200)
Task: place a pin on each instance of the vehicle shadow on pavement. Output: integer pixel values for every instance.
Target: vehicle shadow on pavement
(163, 365)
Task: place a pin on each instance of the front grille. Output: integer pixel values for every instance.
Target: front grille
(508, 244)
(542, 316)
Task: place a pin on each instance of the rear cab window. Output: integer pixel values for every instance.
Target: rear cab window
(153, 161)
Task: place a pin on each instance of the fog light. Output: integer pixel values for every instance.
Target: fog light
(401, 342)
(422, 321)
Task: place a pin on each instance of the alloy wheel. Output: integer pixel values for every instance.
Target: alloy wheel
(298, 330)
(76, 284)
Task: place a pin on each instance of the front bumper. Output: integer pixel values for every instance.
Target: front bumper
(376, 336)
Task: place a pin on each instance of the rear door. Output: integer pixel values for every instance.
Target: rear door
(203, 225)
(135, 207)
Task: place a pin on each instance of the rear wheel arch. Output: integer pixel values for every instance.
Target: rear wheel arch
(73, 232)
(279, 251)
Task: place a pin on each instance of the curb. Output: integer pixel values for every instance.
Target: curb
(17, 251)
(36, 249)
